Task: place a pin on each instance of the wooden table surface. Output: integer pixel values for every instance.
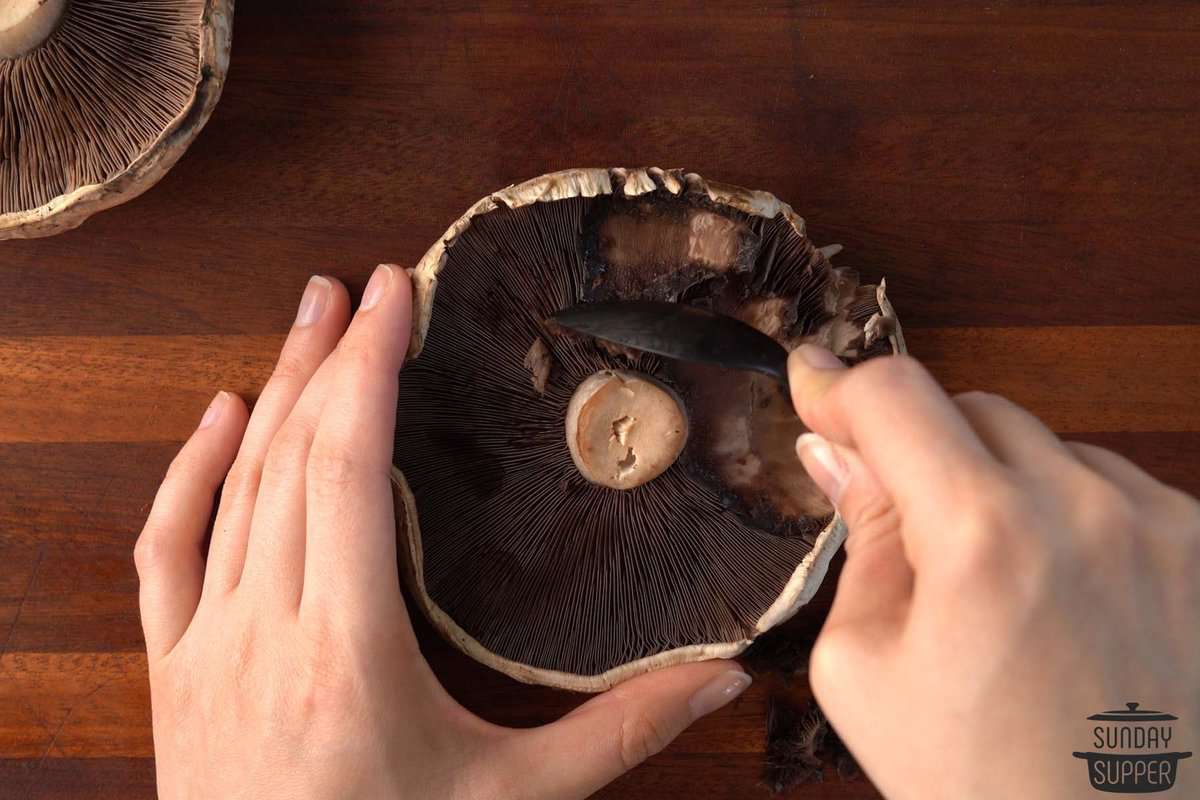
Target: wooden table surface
(1025, 177)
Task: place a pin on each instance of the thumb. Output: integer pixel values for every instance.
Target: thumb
(877, 579)
(614, 732)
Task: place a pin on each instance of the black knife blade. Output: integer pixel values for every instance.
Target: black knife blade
(681, 332)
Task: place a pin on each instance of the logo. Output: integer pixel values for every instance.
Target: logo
(1132, 751)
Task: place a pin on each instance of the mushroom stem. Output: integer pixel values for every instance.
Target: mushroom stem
(624, 428)
(26, 24)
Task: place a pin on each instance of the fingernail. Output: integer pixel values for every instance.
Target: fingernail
(823, 464)
(376, 287)
(718, 692)
(213, 412)
(313, 302)
(819, 358)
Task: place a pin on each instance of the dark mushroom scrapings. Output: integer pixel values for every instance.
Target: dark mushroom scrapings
(795, 736)
(801, 745)
(576, 513)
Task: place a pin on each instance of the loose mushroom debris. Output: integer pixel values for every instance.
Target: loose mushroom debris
(97, 99)
(801, 745)
(576, 512)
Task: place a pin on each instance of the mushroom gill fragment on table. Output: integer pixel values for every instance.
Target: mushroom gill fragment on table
(573, 513)
(99, 99)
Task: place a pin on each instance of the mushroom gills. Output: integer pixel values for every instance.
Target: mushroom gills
(100, 98)
(579, 555)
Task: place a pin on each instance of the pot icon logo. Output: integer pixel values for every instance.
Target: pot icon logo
(1131, 752)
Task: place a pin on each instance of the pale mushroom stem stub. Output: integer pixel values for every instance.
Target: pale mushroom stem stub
(574, 513)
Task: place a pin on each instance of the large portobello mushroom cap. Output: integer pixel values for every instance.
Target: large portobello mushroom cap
(574, 514)
(98, 99)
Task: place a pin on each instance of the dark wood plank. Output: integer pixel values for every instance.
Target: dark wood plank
(77, 778)
(950, 148)
(1130, 378)
(72, 611)
(123, 388)
(73, 511)
(73, 705)
(151, 388)
(76, 502)
(97, 705)
(69, 597)
(721, 776)
(89, 494)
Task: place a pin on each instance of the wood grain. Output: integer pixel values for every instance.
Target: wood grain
(715, 777)
(120, 389)
(67, 583)
(77, 778)
(1024, 174)
(91, 704)
(143, 388)
(948, 147)
(97, 705)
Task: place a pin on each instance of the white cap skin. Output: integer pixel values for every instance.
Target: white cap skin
(624, 428)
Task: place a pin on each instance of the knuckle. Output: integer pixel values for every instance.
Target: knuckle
(641, 736)
(354, 358)
(872, 518)
(490, 784)
(290, 368)
(172, 688)
(1189, 563)
(1182, 511)
(999, 529)
(828, 662)
(322, 693)
(897, 370)
(1081, 449)
(823, 660)
(333, 465)
(996, 505)
(243, 479)
(1105, 516)
(1185, 555)
(880, 378)
(151, 548)
(182, 466)
(180, 689)
(288, 448)
(242, 647)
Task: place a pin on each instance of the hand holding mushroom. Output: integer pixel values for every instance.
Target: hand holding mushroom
(283, 663)
(999, 586)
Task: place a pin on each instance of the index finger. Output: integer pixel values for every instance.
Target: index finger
(895, 415)
(350, 551)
